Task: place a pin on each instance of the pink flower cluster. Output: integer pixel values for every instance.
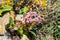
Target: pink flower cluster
(32, 17)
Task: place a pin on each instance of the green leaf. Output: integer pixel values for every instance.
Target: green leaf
(23, 10)
(36, 27)
(0, 12)
(33, 33)
(20, 31)
(20, 12)
(5, 8)
(58, 22)
(7, 26)
(15, 28)
(11, 22)
(43, 37)
(59, 27)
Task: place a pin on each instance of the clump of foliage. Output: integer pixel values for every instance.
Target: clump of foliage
(39, 21)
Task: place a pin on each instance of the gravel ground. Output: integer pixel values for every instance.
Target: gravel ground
(4, 38)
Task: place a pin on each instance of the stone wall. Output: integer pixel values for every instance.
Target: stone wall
(3, 21)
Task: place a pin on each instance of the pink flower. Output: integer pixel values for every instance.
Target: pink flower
(31, 20)
(36, 20)
(27, 16)
(23, 21)
(27, 20)
(32, 17)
